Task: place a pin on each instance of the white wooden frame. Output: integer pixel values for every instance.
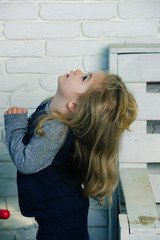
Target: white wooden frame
(138, 64)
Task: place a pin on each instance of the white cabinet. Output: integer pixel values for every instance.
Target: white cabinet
(139, 158)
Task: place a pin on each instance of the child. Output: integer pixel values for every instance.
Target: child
(68, 151)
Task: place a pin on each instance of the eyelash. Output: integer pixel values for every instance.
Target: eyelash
(84, 78)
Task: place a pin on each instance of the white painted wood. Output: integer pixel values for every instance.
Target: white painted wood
(140, 148)
(134, 48)
(137, 127)
(139, 67)
(144, 236)
(140, 205)
(158, 207)
(132, 165)
(148, 106)
(138, 64)
(136, 87)
(155, 183)
(123, 227)
(113, 63)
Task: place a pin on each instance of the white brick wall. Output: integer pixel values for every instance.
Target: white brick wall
(18, 11)
(21, 48)
(76, 11)
(104, 29)
(40, 40)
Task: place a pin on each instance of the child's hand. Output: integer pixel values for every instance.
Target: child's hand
(15, 110)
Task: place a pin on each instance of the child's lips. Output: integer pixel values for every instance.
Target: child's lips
(67, 75)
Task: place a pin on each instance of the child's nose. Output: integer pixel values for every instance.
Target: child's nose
(78, 71)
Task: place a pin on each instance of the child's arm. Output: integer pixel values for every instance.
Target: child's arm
(40, 151)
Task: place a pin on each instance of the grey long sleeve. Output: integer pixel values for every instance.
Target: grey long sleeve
(40, 151)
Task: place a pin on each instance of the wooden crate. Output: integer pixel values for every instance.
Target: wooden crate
(139, 157)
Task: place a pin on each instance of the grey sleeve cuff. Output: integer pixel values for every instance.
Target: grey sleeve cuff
(15, 121)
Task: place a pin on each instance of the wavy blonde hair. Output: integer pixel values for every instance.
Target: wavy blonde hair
(103, 112)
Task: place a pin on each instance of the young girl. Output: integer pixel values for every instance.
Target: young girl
(67, 151)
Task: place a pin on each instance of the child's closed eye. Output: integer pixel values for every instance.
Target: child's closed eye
(84, 77)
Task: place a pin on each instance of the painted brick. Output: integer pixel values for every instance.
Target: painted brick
(41, 30)
(49, 82)
(30, 111)
(4, 155)
(28, 234)
(133, 10)
(79, 47)
(7, 170)
(97, 218)
(8, 188)
(43, 65)
(95, 63)
(12, 204)
(19, 82)
(17, 221)
(1, 35)
(120, 29)
(4, 100)
(1, 135)
(76, 11)
(21, 48)
(3, 204)
(1, 66)
(98, 233)
(1, 117)
(7, 235)
(28, 100)
(18, 11)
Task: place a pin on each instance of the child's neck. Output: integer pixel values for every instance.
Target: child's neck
(58, 104)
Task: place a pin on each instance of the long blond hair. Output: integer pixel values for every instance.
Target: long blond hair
(102, 114)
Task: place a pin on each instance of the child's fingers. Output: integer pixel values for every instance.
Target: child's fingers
(14, 110)
(9, 111)
(24, 110)
(21, 110)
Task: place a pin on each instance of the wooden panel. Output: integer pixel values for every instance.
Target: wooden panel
(123, 227)
(136, 87)
(140, 148)
(154, 236)
(139, 67)
(137, 127)
(132, 165)
(148, 106)
(155, 183)
(140, 205)
(113, 63)
(134, 48)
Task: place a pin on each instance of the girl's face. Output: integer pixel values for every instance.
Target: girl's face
(71, 85)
